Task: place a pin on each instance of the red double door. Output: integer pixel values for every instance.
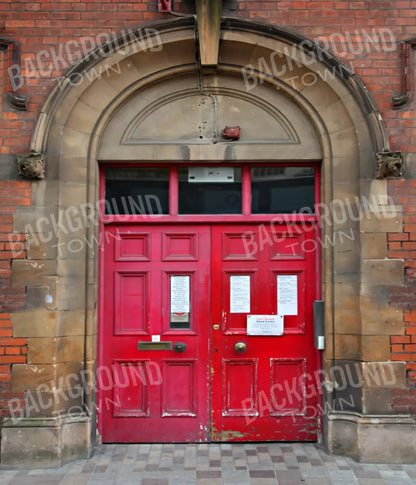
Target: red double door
(179, 361)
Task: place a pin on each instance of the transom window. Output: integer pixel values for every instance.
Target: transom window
(209, 190)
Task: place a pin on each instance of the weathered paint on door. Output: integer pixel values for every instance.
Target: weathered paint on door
(154, 395)
(209, 391)
(268, 391)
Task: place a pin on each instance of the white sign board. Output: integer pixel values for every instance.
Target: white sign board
(240, 294)
(264, 324)
(287, 294)
(211, 174)
(179, 294)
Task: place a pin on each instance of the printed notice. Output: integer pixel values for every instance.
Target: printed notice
(264, 324)
(179, 294)
(240, 294)
(287, 294)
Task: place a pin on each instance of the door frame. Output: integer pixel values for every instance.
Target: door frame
(229, 219)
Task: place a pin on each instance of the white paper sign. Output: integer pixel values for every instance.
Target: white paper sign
(287, 294)
(240, 294)
(264, 324)
(179, 294)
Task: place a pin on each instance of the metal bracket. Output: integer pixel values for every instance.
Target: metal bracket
(399, 100)
(319, 324)
(18, 101)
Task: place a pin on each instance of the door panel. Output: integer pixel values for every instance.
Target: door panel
(208, 391)
(266, 392)
(154, 395)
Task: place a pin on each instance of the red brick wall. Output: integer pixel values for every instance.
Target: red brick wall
(12, 350)
(40, 25)
(45, 25)
(403, 246)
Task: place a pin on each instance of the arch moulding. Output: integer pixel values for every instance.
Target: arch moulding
(142, 99)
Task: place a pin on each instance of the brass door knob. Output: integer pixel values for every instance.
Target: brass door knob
(240, 347)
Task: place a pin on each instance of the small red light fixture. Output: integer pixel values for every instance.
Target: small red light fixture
(231, 133)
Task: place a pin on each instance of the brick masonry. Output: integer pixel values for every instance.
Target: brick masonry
(45, 27)
(403, 246)
(12, 350)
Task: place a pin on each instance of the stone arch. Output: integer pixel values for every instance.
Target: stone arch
(107, 108)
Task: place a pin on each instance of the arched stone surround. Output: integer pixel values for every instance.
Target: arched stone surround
(113, 107)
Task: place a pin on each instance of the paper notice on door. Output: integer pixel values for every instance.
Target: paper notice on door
(264, 324)
(287, 294)
(179, 294)
(240, 294)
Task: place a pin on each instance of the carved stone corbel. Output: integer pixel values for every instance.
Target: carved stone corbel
(31, 166)
(389, 164)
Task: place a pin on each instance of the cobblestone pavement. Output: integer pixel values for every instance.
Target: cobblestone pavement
(213, 464)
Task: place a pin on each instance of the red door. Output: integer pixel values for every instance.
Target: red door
(263, 384)
(254, 387)
(154, 372)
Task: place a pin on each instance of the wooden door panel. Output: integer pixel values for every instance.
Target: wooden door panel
(130, 389)
(260, 394)
(131, 317)
(171, 402)
(239, 383)
(179, 388)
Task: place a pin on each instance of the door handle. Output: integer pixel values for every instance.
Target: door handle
(240, 347)
(179, 347)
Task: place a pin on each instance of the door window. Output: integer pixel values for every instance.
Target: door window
(137, 190)
(208, 190)
(277, 190)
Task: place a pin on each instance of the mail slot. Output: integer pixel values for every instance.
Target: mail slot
(154, 345)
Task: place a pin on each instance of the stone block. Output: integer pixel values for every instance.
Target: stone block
(389, 272)
(26, 377)
(384, 374)
(387, 442)
(31, 447)
(41, 350)
(46, 442)
(31, 273)
(35, 323)
(70, 348)
(347, 321)
(374, 245)
(375, 348)
(377, 318)
(71, 322)
(373, 438)
(377, 400)
(390, 220)
(347, 347)
(36, 249)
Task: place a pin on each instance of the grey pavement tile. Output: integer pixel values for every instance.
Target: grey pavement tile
(74, 480)
(315, 473)
(317, 481)
(371, 481)
(155, 481)
(262, 474)
(289, 477)
(341, 477)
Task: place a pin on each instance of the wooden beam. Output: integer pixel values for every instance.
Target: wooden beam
(208, 14)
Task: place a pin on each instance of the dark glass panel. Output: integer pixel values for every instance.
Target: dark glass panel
(137, 190)
(278, 190)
